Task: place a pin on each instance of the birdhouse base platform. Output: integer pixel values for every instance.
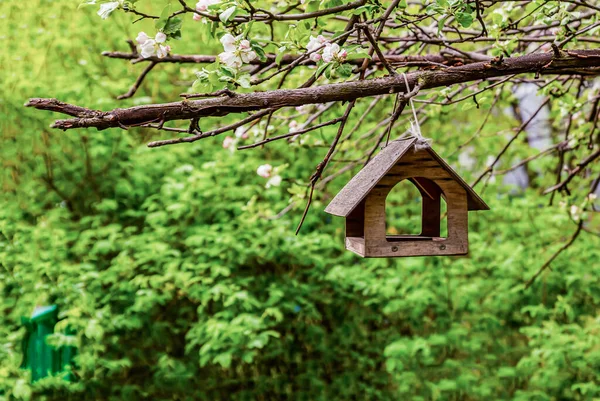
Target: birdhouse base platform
(406, 245)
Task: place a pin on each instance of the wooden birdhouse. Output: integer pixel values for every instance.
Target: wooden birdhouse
(362, 203)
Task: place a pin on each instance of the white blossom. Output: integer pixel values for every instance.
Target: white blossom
(230, 60)
(315, 43)
(274, 181)
(315, 57)
(240, 132)
(148, 48)
(162, 51)
(227, 142)
(160, 37)
(248, 56)
(107, 8)
(293, 126)
(333, 52)
(152, 47)
(264, 170)
(228, 41)
(575, 212)
(237, 51)
(142, 38)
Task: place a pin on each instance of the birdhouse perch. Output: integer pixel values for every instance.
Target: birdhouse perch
(362, 203)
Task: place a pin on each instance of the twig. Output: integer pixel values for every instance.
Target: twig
(558, 252)
(380, 54)
(321, 166)
(580, 166)
(490, 168)
(291, 134)
(137, 82)
(218, 93)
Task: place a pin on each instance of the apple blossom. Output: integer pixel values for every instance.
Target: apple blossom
(293, 126)
(148, 48)
(333, 52)
(315, 57)
(151, 47)
(142, 38)
(227, 142)
(230, 60)
(248, 56)
(162, 51)
(160, 37)
(274, 181)
(315, 43)
(264, 170)
(237, 51)
(228, 42)
(241, 132)
(575, 212)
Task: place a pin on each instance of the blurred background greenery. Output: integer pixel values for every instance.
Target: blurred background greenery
(181, 282)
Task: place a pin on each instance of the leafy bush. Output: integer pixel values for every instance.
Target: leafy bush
(182, 282)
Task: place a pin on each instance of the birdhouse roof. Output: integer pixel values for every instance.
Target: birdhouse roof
(366, 179)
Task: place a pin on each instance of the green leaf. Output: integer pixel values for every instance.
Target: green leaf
(441, 23)
(244, 81)
(260, 52)
(497, 18)
(322, 67)
(464, 19)
(358, 55)
(280, 54)
(223, 359)
(468, 105)
(173, 25)
(313, 6)
(22, 390)
(163, 19)
(344, 70)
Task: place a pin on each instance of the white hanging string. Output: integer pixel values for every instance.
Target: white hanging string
(415, 127)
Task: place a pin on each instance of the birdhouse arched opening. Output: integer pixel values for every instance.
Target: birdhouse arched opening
(403, 210)
(413, 209)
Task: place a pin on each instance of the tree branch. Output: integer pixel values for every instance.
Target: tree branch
(418, 60)
(546, 63)
(554, 256)
(580, 166)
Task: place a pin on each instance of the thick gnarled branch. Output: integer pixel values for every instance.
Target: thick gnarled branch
(542, 63)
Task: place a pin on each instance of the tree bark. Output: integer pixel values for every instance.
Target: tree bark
(560, 62)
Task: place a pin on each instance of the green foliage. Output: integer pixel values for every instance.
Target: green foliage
(181, 284)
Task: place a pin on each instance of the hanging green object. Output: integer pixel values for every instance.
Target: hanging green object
(38, 356)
